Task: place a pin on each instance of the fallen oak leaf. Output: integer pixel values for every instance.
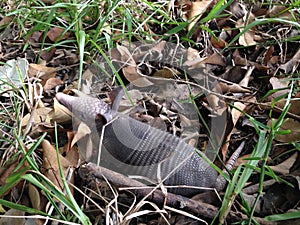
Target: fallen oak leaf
(284, 167)
(218, 42)
(13, 216)
(50, 165)
(294, 110)
(215, 59)
(41, 71)
(34, 196)
(196, 11)
(235, 115)
(291, 125)
(55, 34)
(279, 11)
(52, 83)
(232, 88)
(36, 116)
(279, 84)
(5, 20)
(192, 54)
(60, 113)
(291, 65)
(84, 141)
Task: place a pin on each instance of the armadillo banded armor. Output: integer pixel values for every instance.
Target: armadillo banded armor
(138, 144)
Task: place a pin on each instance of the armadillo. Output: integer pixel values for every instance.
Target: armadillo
(147, 151)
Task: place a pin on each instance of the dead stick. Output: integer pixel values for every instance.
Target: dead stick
(157, 196)
(91, 171)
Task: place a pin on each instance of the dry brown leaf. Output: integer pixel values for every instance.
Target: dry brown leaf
(38, 115)
(10, 219)
(84, 140)
(291, 65)
(48, 55)
(34, 196)
(279, 84)
(215, 59)
(192, 54)
(234, 74)
(274, 60)
(52, 83)
(218, 42)
(50, 164)
(242, 160)
(72, 156)
(41, 71)
(245, 81)
(88, 76)
(216, 104)
(166, 73)
(235, 115)
(136, 79)
(158, 48)
(55, 32)
(238, 60)
(107, 28)
(196, 11)
(284, 167)
(129, 67)
(130, 73)
(7, 170)
(293, 112)
(268, 54)
(232, 88)
(5, 20)
(60, 113)
(125, 56)
(70, 135)
(294, 105)
(247, 38)
(289, 124)
(82, 131)
(35, 38)
(279, 11)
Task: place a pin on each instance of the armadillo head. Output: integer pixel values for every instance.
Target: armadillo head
(86, 108)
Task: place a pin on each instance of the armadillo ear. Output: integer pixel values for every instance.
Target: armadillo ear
(100, 121)
(101, 118)
(116, 97)
(114, 94)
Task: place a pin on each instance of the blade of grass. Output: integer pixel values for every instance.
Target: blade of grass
(81, 216)
(283, 217)
(81, 45)
(23, 208)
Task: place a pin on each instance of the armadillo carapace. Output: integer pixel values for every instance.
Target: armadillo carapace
(145, 150)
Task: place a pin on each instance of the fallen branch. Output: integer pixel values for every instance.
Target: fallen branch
(91, 172)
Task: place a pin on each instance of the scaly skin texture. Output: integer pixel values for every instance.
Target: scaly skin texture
(139, 149)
